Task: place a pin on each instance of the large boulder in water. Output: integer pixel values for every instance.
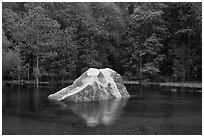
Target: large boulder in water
(93, 85)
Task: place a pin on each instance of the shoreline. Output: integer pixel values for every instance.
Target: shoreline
(162, 84)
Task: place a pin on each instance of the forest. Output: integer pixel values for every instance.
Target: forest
(54, 41)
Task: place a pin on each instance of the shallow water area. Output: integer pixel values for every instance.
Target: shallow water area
(149, 110)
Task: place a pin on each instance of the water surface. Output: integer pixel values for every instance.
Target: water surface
(149, 110)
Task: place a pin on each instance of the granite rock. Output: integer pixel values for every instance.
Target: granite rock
(93, 85)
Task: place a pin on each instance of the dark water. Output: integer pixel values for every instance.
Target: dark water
(149, 110)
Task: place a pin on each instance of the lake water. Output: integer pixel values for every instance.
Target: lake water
(149, 110)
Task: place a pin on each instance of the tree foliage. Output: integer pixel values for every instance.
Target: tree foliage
(138, 40)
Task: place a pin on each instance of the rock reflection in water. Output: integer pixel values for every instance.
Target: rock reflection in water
(104, 112)
(95, 113)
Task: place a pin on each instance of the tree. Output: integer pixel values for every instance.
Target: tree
(10, 57)
(38, 31)
(140, 40)
(184, 40)
(145, 30)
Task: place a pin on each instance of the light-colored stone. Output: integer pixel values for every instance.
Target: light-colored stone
(93, 85)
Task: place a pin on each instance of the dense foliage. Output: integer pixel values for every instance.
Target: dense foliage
(59, 41)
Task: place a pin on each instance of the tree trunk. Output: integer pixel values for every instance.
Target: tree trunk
(28, 75)
(195, 73)
(140, 58)
(37, 75)
(31, 67)
(52, 78)
(184, 75)
(62, 81)
(19, 73)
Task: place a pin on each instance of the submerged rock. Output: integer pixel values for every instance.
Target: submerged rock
(93, 85)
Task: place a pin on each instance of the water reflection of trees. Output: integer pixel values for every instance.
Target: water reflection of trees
(95, 113)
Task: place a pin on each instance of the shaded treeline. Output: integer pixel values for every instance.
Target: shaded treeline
(58, 41)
